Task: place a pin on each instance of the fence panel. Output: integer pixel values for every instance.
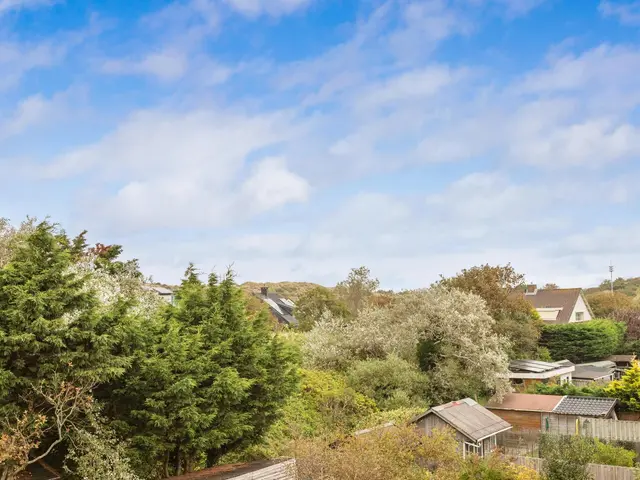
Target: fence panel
(608, 429)
(599, 472)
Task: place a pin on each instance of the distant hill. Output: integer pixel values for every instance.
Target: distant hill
(628, 286)
(291, 290)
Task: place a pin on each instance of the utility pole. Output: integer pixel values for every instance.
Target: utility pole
(611, 273)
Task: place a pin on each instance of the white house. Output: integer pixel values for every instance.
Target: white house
(560, 305)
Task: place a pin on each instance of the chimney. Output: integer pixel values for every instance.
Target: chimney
(264, 291)
(531, 290)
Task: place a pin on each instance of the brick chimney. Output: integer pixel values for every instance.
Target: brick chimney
(531, 290)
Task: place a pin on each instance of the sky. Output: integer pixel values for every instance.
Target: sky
(296, 139)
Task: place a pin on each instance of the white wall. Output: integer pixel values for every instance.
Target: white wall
(580, 307)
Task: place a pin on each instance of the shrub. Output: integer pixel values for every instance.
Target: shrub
(627, 389)
(393, 383)
(584, 341)
(603, 304)
(566, 457)
(608, 454)
(568, 389)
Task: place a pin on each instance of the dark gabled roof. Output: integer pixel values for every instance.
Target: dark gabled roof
(281, 307)
(586, 406)
(564, 298)
(261, 470)
(467, 417)
(589, 372)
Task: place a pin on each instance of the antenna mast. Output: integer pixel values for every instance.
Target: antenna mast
(611, 273)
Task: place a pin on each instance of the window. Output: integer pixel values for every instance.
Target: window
(579, 316)
(471, 449)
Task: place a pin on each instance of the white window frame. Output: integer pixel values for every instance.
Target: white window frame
(473, 448)
(581, 319)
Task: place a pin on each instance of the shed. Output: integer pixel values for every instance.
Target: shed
(475, 426)
(588, 374)
(261, 470)
(524, 373)
(554, 413)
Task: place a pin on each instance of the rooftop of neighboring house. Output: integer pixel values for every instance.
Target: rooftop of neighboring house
(622, 358)
(535, 369)
(590, 372)
(158, 289)
(561, 405)
(261, 470)
(281, 307)
(563, 300)
(469, 418)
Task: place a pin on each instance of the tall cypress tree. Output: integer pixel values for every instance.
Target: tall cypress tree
(211, 380)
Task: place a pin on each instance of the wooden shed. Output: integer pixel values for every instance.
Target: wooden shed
(551, 413)
(475, 426)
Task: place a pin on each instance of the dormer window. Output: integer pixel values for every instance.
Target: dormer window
(531, 290)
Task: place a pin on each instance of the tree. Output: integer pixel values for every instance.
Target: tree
(465, 357)
(550, 286)
(212, 379)
(627, 389)
(52, 331)
(604, 304)
(312, 305)
(584, 341)
(499, 286)
(357, 289)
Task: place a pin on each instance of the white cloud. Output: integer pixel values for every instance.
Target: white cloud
(255, 8)
(166, 65)
(11, 5)
(185, 169)
(627, 13)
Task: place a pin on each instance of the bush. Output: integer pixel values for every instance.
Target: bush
(585, 341)
(603, 304)
(608, 454)
(568, 389)
(393, 383)
(566, 457)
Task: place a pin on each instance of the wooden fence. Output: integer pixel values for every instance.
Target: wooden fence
(607, 429)
(599, 472)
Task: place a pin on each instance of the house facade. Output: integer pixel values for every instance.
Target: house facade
(475, 427)
(560, 305)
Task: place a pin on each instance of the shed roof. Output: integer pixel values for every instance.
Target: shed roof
(532, 366)
(526, 402)
(469, 418)
(589, 372)
(261, 470)
(586, 406)
(622, 358)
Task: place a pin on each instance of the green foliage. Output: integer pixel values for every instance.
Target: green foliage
(566, 457)
(314, 303)
(584, 341)
(499, 287)
(324, 406)
(608, 454)
(209, 380)
(627, 286)
(392, 382)
(627, 389)
(604, 304)
(568, 389)
(97, 454)
(357, 289)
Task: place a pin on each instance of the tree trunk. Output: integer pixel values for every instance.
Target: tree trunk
(178, 461)
(165, 467)
(188, 464)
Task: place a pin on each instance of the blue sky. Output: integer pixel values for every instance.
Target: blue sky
(296, 139)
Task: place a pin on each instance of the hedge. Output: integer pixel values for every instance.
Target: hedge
(584, 341)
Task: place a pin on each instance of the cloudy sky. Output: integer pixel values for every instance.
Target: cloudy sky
(296, 139)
